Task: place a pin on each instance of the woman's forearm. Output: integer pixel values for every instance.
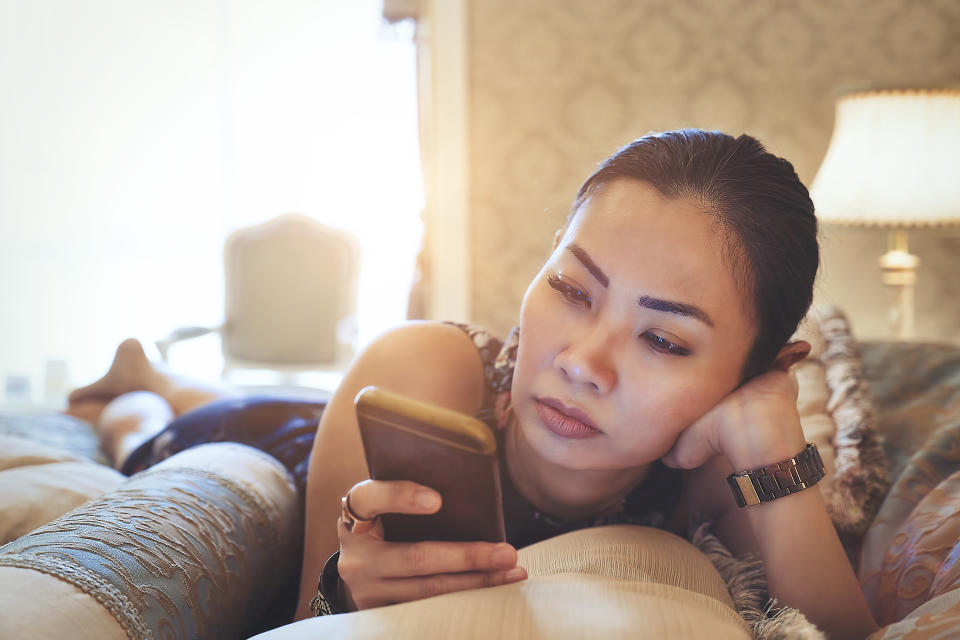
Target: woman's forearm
(806, 565)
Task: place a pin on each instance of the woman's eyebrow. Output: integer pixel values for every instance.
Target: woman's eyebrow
(588, 262)
(655, 304)
(676, 308)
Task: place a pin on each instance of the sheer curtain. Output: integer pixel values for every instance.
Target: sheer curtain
(135, 136)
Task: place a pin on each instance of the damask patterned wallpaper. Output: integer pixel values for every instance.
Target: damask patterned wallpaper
(557, 85)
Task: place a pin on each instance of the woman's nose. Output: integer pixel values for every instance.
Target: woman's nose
(589, 361)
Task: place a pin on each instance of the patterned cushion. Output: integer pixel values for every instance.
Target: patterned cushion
(916, 389)
(923, 560)
(837, 413)
(910, 553)
(39, 483)
(49, 608)
(937, 619)
(197, 546)
(54, 429)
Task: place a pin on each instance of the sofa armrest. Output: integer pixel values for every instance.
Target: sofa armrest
(196, 547)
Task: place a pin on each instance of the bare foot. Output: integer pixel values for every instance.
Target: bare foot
(131, 371)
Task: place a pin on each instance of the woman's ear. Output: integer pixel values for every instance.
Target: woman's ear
(791, 354)
(557, 237)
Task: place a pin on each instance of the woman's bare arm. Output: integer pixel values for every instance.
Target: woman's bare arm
(806, 565)
(428, 361)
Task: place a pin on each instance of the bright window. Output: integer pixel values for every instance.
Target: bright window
(135, 136)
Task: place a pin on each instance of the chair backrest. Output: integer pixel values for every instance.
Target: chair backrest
(290, 282)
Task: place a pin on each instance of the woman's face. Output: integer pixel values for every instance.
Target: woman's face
(633, 329)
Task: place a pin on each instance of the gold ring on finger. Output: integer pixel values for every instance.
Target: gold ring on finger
(353, 522)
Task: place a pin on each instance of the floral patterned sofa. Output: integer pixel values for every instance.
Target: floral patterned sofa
(207, 543)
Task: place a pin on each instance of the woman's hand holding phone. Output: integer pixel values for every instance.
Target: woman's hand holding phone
(376, 573)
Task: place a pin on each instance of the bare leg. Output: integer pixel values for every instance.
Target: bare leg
(88, 410)
(132, 371)
(129, 420)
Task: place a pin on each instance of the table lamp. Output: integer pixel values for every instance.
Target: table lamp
(893, 162)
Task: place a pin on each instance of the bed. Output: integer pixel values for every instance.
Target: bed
(207, 543)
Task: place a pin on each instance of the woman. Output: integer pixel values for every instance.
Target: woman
(651, 362)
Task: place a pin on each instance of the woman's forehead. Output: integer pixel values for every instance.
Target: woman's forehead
(657, 245)
(634, 215)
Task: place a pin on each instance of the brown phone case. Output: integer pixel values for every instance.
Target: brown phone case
(456, 454)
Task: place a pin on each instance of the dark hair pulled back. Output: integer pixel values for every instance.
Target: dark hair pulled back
(764, 213)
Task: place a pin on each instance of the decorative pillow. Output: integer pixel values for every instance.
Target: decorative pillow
(857, 477)
(910, 551)
(39, 483)
(37, 606)
(54, 429)
(939, 618)
(195, 547)
(916, 388)
(923, 560)
(606, 582)
(813, 396)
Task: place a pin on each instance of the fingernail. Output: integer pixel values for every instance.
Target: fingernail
(517, 573)
(504, 556)
(427, 499)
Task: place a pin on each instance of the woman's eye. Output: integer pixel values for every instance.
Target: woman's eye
(662, 345)
(569, 290)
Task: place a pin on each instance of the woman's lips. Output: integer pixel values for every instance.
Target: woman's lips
(566, 422)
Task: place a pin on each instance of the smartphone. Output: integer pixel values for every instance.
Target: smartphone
(453, 453)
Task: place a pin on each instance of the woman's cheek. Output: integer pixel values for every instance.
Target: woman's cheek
(671, 413)
(540, 326)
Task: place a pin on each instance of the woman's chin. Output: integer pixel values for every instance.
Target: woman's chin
(573, 454)
(596, 454)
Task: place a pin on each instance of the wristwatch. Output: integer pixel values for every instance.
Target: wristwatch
(779, 479)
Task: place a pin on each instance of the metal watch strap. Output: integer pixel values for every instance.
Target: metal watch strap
(777, 480)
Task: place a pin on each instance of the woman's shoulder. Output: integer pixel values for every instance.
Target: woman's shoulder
(434, 361)
(447, 343)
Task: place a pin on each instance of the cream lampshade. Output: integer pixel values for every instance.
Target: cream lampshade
(893, 162)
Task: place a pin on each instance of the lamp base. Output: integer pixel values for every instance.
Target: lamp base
(899, 274)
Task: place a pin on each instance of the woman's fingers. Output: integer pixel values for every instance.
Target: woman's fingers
(408, 559)
(376, 573)
(696, 444)
(407, 589)
(371, 498)
(428, 558)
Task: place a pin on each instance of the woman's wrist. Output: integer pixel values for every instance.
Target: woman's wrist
(765, 454)
(758, 441)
